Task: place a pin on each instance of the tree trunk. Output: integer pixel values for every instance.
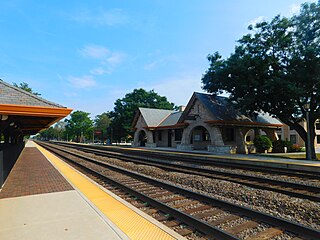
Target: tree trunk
(312, 154)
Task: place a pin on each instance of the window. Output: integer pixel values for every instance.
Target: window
(293, 139)
(318, 139)
(197, 138)
(160, 136)
(177, 134)
(229, 135)
(318, 126)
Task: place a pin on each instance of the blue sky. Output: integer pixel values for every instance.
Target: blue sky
(86, 54)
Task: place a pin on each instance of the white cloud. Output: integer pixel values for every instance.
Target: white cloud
(98, 71)
(115, 58)
(111, 17)
(95, 51)
(153, 64)
(82, 82)
(107, 59)
(256, 20)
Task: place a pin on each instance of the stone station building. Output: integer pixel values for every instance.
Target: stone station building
(208, 122)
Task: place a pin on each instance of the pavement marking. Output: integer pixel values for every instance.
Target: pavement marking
(131, 223)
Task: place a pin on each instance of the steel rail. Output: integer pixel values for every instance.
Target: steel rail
(232, 177)
(204, 160)
(211, 231)
(284, 224)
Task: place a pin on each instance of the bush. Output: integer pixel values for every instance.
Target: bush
(262, 143)
(295, 148)
(279, 145)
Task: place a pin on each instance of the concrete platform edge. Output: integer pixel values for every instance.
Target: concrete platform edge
(108, 221)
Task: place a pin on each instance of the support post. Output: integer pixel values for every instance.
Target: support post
(1, 169)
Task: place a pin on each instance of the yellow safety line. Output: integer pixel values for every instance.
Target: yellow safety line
(131, 223)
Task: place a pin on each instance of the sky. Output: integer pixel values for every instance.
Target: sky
(87, 54)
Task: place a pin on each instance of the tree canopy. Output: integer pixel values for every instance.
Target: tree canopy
(25, 86)
(102, 123)
(78, 126)
(126, 108)
(275, 68)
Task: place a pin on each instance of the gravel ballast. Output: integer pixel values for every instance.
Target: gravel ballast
(302, 211)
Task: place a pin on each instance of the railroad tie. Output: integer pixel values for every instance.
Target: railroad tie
(200, 208)
(224, 219)
(267, 234)
(239, 228)
(208, 214)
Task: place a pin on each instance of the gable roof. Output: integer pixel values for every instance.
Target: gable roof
(13, 95)
(171, 120)
(220, 107)
(154, 117)
(223, 111)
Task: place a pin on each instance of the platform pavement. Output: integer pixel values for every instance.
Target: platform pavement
(50, 213)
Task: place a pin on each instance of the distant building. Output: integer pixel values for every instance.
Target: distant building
(208, 122)
(287, 133)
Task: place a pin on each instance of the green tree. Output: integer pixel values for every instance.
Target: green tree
(60, 128)
(79, 126)
(102, 123)
(126, 108)
(25, 86)
(48, 134)
(275, 69)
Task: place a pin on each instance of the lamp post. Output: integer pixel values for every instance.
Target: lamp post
(307, 108)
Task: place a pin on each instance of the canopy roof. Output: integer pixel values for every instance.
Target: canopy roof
(23, 113)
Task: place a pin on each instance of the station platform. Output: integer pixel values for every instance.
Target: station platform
(252, 159)
(45, 198)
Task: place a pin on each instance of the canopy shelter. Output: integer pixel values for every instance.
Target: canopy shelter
(23, 113)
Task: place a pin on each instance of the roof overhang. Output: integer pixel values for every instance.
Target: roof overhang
(243, 124)
(178, 125)
(29, 120)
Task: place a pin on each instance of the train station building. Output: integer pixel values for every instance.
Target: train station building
(22, 114)
(208, 122)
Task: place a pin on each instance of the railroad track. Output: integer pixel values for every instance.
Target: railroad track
(284, 187)
(160, 155)
(189, 213)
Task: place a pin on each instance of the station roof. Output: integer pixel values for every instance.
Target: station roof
(25, 112)
(224, 112)
(221, 109)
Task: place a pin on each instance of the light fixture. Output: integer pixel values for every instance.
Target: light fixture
(307, 106)
(4, 117)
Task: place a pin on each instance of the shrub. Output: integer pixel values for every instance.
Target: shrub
(279, 145)
(295, 148)
(262, 143)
